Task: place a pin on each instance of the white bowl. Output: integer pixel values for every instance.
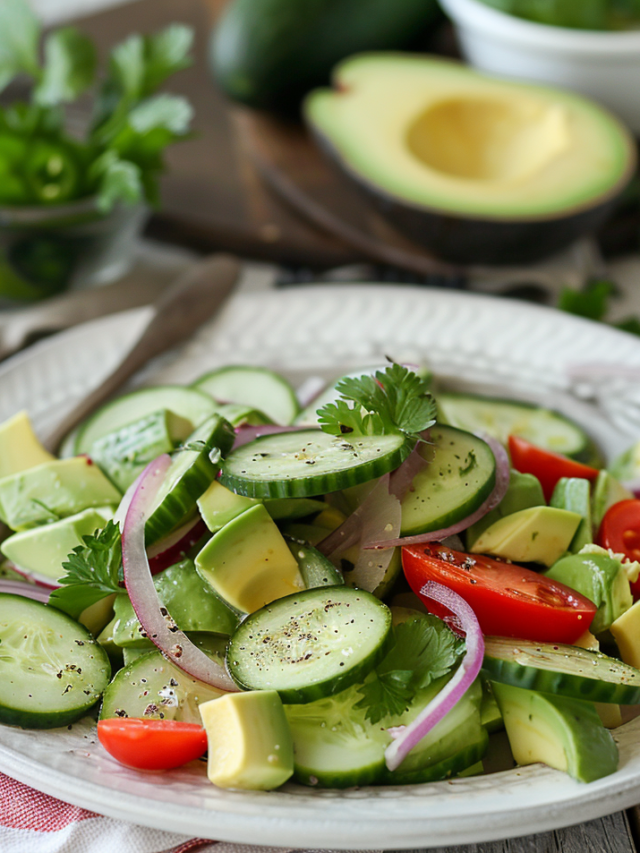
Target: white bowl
(602, 65)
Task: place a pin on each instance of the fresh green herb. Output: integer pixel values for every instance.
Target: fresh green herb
(629, 324)
(395, 400)
(93, 572)
(471, 464)
(121, 156)
(592, 302)
(425, 649)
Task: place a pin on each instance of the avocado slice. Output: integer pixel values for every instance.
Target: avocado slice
(250, 743)
(248, 563)
(52, 491)
(19, 446)
(477, 169)
(524, 491)
(563, 733)
(540, 534)
(44, 549)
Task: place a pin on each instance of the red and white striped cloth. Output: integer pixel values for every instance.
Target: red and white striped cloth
(31, 822)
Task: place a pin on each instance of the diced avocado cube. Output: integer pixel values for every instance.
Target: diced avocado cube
(563, 733)
(248, 563)
(574, 494)
(19, 446)
(524, 491)
(189, 600)
(250, 743)
(599, 577)
(626, 633)
(219, 505)
(540, 534)
(52, 491)
(44, 549)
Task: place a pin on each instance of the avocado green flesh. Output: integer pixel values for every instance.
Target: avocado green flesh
(566, 734)
(439, 135)
(524, 491)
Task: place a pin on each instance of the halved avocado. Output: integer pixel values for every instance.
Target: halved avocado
(478, 169)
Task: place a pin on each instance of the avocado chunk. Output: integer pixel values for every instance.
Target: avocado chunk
(125, 452)
(563, 733)
(19, 446)
(219, 505)
(52, 491)
(477, 169)
(574, 494)
(248, 563)
(599, 577)
(524, 491)
(540, 534)
(250, 743)
(189, 600)
(626, 633)
(607, 491)
(44, 549)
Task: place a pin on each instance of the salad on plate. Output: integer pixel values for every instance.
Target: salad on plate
(360, 591)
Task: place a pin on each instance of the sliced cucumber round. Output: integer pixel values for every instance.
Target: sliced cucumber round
(564, 670)
(189, 403)
(257, 387)
(310, 462)
(311, 644)
(153, 688)
(192, 471)
(460, 475)
(501, 418)
(51, 669)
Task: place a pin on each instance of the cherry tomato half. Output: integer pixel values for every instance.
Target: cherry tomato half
(152, 744)
(620, 531)
(547, 466)
(509, 600)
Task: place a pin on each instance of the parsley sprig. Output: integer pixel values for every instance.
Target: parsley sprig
(395, 400)
(93, 572)
(425, 649)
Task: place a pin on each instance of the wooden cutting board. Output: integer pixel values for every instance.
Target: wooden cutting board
(212, 197)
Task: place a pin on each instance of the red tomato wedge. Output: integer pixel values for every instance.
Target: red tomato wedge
(620, 531)
(152, 744)
(509, 600)
(547, 466)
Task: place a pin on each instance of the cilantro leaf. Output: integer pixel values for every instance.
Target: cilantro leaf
(69, 69)
(93, 572)
(395, 400)
(19, 37)
(425, 649)
(592, 302)
(117, 181)
(165, 53)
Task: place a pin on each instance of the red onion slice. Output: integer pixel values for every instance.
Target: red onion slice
(382, 518)
(27, 590)
(406, 737)
(247, 434)
(155, 620)
(35, 577)
(170, 550)
(499, 491)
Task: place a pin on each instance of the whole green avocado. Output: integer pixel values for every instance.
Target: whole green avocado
(269, 53)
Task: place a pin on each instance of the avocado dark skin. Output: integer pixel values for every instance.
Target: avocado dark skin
(268, 54)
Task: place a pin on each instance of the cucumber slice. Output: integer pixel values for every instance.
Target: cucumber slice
(574, 494)
(257, 387)
(51, 669)
(460, 475)
(195, 406)
(190, 475)
(315, 569)
(311, 644)
(501, 418)
(564, 670)
(310, 462)
(153, 688)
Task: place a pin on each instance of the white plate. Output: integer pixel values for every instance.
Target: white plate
(521, 349)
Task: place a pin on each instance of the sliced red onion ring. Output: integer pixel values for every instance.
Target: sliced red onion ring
(350, 531)
(499, 491)
(42, 581)
(155, 620)
(27, 590)
(310, 389)
(406, 737)
(170, 550)
(382, 518)
(247, 434)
